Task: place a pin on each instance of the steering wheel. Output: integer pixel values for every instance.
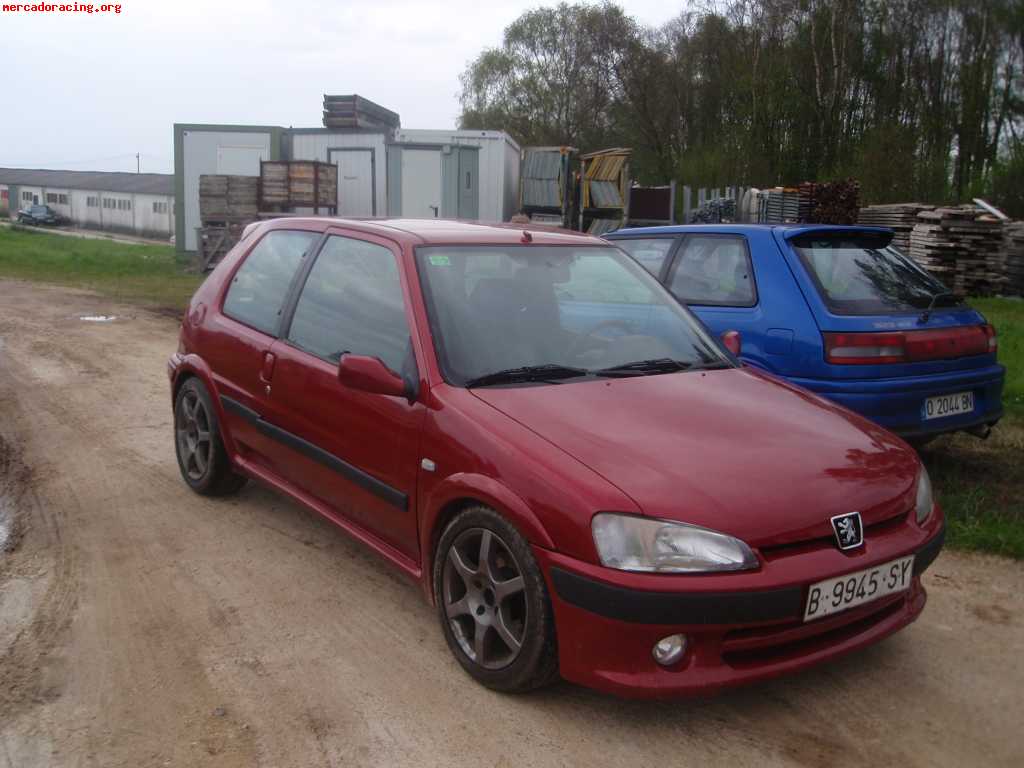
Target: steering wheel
(579, 345)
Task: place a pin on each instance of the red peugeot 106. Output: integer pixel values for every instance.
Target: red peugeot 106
(580, 477)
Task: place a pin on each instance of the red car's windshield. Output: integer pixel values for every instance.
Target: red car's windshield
(583, 310)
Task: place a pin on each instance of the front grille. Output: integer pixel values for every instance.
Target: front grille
(747, 648)
(790, 548)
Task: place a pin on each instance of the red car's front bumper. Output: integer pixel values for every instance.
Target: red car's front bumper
(740, 627)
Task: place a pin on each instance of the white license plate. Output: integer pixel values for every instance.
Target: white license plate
(853, 589)
(947, 405)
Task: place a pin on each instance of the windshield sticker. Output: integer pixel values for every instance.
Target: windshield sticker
(440, 260)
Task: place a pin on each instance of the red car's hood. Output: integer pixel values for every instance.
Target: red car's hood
(732, 450)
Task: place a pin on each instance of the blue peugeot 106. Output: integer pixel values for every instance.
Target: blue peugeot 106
(839, 311)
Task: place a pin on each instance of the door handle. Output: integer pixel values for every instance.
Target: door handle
(435, 209)
(267, 371)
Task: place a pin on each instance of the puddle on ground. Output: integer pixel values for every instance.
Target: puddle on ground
(98, 318)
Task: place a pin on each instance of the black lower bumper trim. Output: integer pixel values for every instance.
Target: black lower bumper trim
(926, 555)
(642, 607)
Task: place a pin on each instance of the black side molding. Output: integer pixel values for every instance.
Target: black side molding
(367, 482)
(641, 607)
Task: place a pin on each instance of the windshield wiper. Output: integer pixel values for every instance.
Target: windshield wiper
(645, 367)
(545, 373)
(931, 305)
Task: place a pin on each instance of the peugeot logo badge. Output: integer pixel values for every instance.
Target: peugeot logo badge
(849, 530)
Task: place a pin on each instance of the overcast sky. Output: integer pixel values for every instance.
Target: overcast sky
(86, 92)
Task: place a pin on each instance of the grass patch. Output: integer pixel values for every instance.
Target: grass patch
(980, 483)
(1007, 315)
(144, 274)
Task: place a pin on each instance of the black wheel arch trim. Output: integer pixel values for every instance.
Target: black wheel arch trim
(364, 480)
(645, 607)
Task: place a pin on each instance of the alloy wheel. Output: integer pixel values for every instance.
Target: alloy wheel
(485, 598)
(195, 444)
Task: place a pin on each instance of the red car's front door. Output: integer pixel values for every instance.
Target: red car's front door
(356, 452)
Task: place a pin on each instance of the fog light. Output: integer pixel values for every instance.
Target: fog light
(669, 650)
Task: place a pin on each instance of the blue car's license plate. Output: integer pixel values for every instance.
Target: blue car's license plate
(947, 405)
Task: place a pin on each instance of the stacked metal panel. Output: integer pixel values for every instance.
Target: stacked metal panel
(604, 189)
(354, 111)
(779, 205)
(545, 193)
(542, 177)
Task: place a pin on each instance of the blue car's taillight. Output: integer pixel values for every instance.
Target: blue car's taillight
(909, 346)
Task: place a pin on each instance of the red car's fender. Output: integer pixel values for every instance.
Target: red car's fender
(485, 490)
(182, 365)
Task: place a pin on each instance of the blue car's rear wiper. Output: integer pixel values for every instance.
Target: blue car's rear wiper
(527, 373)
(645, 367)
(931, 305)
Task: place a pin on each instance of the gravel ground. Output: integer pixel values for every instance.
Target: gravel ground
(141, 625)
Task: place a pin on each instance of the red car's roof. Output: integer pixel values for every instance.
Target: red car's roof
(443, 231)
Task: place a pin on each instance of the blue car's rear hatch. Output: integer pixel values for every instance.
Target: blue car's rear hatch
(881, 315)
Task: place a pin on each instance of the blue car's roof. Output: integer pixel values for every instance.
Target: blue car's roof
(787, 230)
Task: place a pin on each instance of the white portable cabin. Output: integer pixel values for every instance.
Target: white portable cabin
(453, 174)
(235, 150)
(402, 172)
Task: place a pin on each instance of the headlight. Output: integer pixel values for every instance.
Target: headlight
(631, 543)
(925, 503)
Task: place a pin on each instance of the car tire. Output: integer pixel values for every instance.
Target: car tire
(203, 462)
(485, 610)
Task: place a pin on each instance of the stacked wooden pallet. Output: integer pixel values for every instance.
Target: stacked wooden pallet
(1013, 249)
(830, 202)
(900, 218)
(963, 247)
(298, 183)
(227, 198)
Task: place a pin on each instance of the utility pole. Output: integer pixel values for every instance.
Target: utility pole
(138, 167)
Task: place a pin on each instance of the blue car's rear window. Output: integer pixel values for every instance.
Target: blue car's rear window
(864, 275)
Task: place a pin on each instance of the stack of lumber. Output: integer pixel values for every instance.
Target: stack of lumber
(1013, 250)
(963, 247)
(291, 183)
(354, 111)
(830, 202)
(227, 198)
(900, 218)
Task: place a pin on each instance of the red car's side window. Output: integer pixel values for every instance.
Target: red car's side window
(352, 303)
(258, 290)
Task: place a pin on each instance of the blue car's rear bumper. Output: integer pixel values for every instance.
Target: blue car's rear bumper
(896, 403)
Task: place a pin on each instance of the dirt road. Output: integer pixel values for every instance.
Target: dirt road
(141, 625)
